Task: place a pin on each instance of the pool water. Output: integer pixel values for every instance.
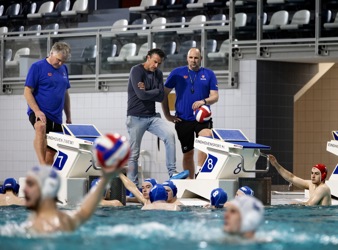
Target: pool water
(284, 227)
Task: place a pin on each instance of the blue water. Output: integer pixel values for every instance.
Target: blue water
(285, 227)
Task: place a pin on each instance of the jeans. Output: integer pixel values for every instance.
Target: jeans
(137, 126)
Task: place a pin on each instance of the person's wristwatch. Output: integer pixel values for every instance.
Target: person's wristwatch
(205, 102)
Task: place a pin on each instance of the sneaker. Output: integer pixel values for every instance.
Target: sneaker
(183, 175)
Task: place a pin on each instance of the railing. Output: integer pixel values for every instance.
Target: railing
(89, 73)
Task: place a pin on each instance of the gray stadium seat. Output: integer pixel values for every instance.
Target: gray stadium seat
(126, 51)
(46, 7)
(143, 5)
(63, 5)
(3, 31)
(199, 4)
(195, 23)
(36, 28)
(119, 26)
(79, 7)
(277, 19)
(183, 51)
(11, 11)
(16, 60)
(332, 25)
(142, 53)
(300, 18)
(54, 27)
(169, 48)
(222, 53)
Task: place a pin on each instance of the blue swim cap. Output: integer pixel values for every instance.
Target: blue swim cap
(172, 187)
(247, 190)
(11, 184)
(151, 180)
(218, 197)
(1, 189)
(158, 193)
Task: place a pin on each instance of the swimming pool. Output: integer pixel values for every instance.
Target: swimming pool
(285, 227)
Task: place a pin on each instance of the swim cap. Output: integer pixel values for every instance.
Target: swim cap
(11, 184)
(172, 186)
(1, 189)
(251, 210)
(158, 193)
(218, 197)
(246, 190)
(48, 180)
(152, 181)
(322, 168)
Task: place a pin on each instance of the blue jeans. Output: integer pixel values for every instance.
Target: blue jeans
(137, 126)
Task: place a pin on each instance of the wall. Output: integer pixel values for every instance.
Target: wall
(277, 83)
(315, 117)
(236, 108)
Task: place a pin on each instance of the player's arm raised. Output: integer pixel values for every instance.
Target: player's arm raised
(288, 176)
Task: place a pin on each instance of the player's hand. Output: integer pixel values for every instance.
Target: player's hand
(141, 85)
(39, 115)
(174, 119)
(197, 104)
(272, 160)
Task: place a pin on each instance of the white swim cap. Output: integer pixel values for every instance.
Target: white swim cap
(251, 210)
(48, 180)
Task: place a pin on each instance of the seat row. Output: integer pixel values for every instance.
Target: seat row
(32, 30)
(30, 10)
(128, 52)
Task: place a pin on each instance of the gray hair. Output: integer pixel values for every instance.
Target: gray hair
(61, 47)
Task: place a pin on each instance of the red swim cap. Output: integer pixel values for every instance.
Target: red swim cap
(322, 169)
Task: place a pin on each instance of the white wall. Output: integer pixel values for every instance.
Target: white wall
(235, 109)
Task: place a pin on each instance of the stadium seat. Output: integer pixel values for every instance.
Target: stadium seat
(79, 7)
(12, 10)
(36, 28)
(211, 45)
(63, 5)
(143, 5)
(183, 51)
(161, 5)
(277, 19)
(16, 60)
(300, 18)
(109, 51)
(199, 4)
(3, 30)
(142, 53)
(46, 7)
(222, 53)
(54, 27)
(195, 24)
(8, 55)
(1, 10)
(28, 7)
(181, 5)
(180, 20)
(119, 26)
(218, 25)
(332, 25)
(169, 48)
(18, 29)
(126, 51)
(237, 3)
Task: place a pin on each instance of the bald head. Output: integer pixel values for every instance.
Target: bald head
(194, 59)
